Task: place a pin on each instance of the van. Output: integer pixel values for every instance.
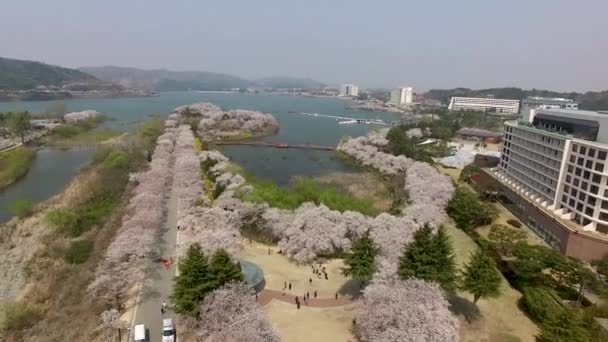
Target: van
(168, 330)
(139, 333)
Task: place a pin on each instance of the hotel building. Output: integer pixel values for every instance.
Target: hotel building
(484, 104)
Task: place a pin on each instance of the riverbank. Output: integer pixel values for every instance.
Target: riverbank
(14, 164)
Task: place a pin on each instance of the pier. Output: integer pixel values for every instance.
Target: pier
(361, 121)
(277, 145)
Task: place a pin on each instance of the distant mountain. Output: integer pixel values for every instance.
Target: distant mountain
(24, 75)
(289, 82)
(166, 80)
(590, 100)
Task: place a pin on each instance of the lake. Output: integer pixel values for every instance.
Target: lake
(52, 169)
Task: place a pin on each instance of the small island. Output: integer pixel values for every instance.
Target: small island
(215, 124)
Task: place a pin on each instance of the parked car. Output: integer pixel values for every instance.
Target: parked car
(168, 330)
(139, 333)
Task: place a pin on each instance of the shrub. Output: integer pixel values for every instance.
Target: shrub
(541, 304)
(18, 316)
(514, 223)
(101, 154)
(68, 130)
(21, 208)
(116, 160)
(79, 251)
(15, 164)
(468, 211)
(65, 220)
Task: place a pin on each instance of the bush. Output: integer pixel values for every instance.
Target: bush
(16, 316)
(65, 220)
(15, 164)
(101, 154)
(541, 304)
(21, 208)
(79, 251)
(116, 160)
(68, 130)
(514, 223)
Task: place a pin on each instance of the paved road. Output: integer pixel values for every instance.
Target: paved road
(161, 279)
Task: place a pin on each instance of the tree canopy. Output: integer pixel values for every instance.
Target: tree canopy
(360, 262)
(468, 211)
(481, 277)
(430, 257)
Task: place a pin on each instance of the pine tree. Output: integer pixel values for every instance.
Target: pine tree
(193, 282)
(223, 269)
(430, 257)
(481, 277)
(360, 262)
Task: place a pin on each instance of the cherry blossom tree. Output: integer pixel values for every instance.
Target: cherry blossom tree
(231, 313)
(110, 327)
(410, 310)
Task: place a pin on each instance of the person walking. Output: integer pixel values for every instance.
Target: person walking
(310, 280)
(308, 295)
(284, 285)
(336, 295)
(315, 294)
(163, 307)
(290, 286)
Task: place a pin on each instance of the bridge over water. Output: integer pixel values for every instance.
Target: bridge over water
(277, 145)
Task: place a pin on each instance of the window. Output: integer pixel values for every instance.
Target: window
(564, 198)
(589, 164)
(601, 155)
(580, 161)
(586, 221)
(575, 182)
(579, 206)
(583, 150)
(568, 179)
(591, 152)
(597, 178)
(586, 175)
(581, 196)
(571, 202)
(603, 216)
(578, 171)
(604, 204)
(599, 167)
(572, 158)
(574, 147)
(589, 211)
(570, 168)
(594, 189)
(591, 200)
(574, 192)
(566, 189)
(584, 186)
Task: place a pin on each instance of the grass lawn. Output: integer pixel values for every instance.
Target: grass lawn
(500, 318)
(14, 164)
(91, 137)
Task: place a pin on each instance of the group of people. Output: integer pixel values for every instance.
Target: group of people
(318, 272)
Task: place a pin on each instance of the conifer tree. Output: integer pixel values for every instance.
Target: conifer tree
(193, 283)
(223, 269)
(429, 257)
(360, 262)
(481, 277)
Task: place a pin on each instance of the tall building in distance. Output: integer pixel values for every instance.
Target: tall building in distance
(554, 170)
(484, 104)
(349, 90)
(402, 96)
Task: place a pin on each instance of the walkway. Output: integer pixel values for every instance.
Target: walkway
(276, 145)
(266, 296)
(161, 279)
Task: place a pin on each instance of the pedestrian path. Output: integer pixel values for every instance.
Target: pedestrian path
(266, 296)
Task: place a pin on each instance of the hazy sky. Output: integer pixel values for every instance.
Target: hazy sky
(554, 44)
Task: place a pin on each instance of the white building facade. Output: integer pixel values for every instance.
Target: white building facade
(484, 104)
(349, 90)
(558, 159)
(402, 96)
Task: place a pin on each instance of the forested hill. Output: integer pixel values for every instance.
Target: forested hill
(166, 80)
(24, 75)
(590, 100)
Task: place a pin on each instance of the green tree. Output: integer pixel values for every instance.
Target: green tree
(565, 328)
(430, 257)
(468, 211)
(360, 262)
(531, 261)
(223, 269)
(506, 238)
(481, 277)
(193, 283)
(19, 123)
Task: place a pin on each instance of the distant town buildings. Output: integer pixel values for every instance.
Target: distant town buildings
(402, 96)
(554, 171)
(349, 90)
(484, 104)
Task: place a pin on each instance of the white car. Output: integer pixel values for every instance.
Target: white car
(168, 330)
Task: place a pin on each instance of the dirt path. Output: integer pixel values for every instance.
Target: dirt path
(266, 296)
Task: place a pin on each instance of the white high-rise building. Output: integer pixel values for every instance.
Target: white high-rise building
(402, 96)
(349, 90)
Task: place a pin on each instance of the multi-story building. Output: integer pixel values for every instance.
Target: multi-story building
(402, 96)
(537, 102)
(349, 90)
(554, 162)
(484, 104)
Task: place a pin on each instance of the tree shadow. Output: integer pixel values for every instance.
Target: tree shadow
(352, 288)
(463, 306)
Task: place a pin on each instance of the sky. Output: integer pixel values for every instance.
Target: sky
(544, 44)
